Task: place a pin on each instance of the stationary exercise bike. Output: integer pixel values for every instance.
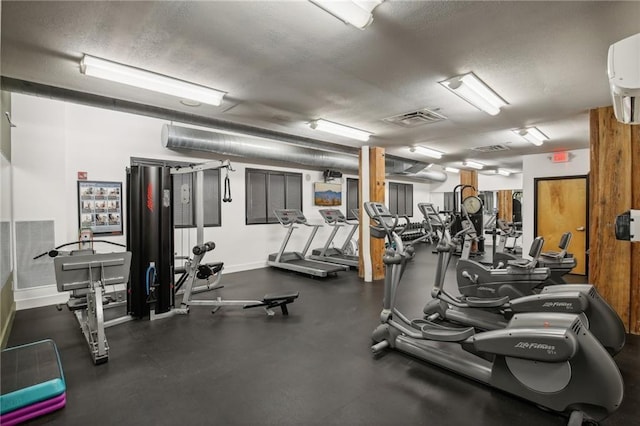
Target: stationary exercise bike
(518, 278)
(560, 263)
(478, 280)
(550, 359)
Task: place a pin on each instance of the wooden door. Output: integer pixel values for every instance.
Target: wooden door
(561, 206)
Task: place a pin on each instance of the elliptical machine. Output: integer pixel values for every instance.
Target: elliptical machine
(550, 359)
(490, 306)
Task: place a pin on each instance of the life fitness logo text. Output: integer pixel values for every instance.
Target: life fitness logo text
(150, 197)
(534, 345)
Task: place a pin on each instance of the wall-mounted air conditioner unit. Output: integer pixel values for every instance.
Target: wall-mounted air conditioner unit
(624, 79)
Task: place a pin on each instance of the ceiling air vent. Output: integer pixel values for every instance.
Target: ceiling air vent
(490, 148)
(416, 118)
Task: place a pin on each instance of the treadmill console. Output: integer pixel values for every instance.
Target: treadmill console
(289, 216)
(332, 215)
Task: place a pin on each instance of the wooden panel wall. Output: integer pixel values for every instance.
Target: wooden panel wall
(613, 265)
(505, 205)
(376, 193)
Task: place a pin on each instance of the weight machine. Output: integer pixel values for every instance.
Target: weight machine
(147, 267)
(212, 273)
(467, 209)
(86, 275)
(151, 240)
(151, 289)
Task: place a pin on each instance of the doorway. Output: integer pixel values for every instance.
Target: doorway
(561, 205)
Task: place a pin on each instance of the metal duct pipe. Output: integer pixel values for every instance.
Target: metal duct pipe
(432, 175)
(394, 165)
(67, 95)
(178, 137)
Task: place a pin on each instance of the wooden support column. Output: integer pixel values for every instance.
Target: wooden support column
(469, 177)
(635, 247)
(376, 193)
(614, 187)
(505, 205)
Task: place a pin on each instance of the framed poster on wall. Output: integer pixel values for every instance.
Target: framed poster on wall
(100, 207)
(327, 194)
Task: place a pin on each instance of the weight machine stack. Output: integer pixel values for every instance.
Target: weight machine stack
(150, 240)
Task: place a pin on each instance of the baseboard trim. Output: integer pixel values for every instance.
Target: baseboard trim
(244, 267)
(6, 330)
(47, 295)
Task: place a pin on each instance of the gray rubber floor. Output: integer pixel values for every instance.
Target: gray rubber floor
(314, 367)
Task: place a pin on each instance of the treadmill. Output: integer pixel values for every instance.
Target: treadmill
(335, 219)
(296, 261)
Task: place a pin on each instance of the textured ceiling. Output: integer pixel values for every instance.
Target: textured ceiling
(286, 63)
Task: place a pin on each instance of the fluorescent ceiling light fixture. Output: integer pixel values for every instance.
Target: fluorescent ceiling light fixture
(124, 74)
(451, 170)
(340, 130)
(503, 172)
(358, 13)
(532, 135)
(473, 165)
(473, 90)
(426, 151)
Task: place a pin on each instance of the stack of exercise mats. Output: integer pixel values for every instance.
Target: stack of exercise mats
(32, 382)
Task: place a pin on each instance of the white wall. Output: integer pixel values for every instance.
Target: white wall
(56, 139)
(453, 179)
(499, 182)
(538, 166)
(6, 254)
(5, 219)
(485, 183)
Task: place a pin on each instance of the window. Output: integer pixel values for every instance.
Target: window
(268, 190)
(449, 202)
(353, 197)
(401, 199)
(184, 191)
(488, 201)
